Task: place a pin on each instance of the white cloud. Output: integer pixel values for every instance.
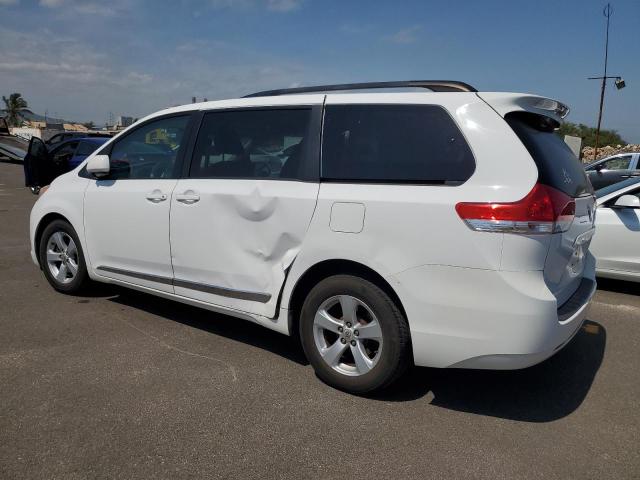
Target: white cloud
(405, 36)
(74, 78)
(282, 6)
(105, 9)
(51, 3)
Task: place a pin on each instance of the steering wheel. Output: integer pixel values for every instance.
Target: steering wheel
(262, 170)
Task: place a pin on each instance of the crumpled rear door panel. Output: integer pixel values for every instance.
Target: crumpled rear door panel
(233, 246)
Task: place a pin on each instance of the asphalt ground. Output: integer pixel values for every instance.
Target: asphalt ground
(120, 384)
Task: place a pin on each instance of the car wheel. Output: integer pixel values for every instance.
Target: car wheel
(62, 259)
(354, 335)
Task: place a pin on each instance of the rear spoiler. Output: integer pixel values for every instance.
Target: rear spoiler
(504, 103)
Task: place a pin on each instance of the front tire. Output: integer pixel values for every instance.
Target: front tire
(62, 258)
(354, 335)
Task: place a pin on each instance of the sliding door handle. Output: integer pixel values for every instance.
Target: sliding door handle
(189, 197)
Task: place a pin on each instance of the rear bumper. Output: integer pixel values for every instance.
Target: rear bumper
(471, 318)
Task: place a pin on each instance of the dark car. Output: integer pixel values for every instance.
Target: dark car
(603, 178)
(59, 159)
(73, 152)
(58, 138)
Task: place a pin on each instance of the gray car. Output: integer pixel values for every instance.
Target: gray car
(614, 169)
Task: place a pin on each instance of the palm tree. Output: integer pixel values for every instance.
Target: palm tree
(14, 106)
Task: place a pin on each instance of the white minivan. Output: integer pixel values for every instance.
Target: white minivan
(443, 227)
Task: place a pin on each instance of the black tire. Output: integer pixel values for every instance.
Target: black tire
(81, 278)
(394, 356)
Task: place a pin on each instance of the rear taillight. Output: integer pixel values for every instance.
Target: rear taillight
(543, 210)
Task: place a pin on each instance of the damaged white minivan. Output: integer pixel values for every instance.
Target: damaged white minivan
(442, 227)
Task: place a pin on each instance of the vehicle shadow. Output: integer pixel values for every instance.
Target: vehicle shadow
(212, 322)
(619, 286)
(542, 393)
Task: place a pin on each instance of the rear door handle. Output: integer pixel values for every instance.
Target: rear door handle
(156, 196)
(189, 197)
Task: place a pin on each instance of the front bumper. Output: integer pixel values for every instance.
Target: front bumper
(485, 319)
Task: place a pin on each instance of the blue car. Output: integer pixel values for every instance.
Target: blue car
(41, 166)
(73, 152)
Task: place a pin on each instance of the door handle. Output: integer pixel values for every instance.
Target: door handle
(156, 196)
(188, 198)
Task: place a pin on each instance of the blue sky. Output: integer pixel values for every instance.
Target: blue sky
(83, 59)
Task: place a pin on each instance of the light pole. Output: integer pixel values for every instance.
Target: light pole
(620, 84)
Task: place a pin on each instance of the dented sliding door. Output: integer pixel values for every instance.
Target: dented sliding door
(239, 219)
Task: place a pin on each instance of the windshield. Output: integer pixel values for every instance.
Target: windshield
(616, 186)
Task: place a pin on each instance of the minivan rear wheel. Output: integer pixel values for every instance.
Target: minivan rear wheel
(354, 335)
(62, 259)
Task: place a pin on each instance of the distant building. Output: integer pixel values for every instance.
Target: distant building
(123, 122)
(45, 130)
(75, 127)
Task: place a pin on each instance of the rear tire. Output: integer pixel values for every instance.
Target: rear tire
(354, 335)
(62, 258)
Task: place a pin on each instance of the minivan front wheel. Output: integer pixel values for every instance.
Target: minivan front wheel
(61, 257)
(353, 334)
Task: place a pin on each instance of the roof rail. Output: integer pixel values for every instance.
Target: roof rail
(433, 85)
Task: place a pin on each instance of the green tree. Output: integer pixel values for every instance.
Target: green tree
(15, 106)
(588, 135)
(89, 125)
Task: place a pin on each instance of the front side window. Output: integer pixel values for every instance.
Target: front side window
(394, 143)
(267, 144)
(617, 163)
(57, 138)
(150, 151)
(64, 153)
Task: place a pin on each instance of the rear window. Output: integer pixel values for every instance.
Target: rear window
(558, 167)
(394, 143)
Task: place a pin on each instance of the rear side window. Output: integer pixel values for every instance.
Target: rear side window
(394, 143)
(558, 167)
(264, 144)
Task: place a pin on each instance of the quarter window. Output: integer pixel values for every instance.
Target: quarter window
(394, 143)
(151, 151)
(269, 144)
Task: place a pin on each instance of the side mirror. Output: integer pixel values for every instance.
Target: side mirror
(598, 168)
(627, 201)
(98, 165)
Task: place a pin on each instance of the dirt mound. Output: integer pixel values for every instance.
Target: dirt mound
(607, 151)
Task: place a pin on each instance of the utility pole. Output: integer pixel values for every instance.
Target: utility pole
(619, 81)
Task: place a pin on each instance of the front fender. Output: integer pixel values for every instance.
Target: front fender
(64, 198)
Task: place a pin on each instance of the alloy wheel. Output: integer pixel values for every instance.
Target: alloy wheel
(347, 335)
(62, 257)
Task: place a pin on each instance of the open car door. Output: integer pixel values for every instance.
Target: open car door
(39, 170)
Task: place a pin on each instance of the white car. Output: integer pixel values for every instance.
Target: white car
(616, 245)
(444, 227)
